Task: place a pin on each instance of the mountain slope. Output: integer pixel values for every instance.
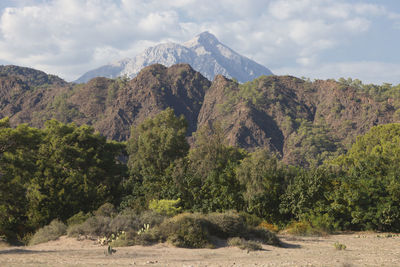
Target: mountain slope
(204, 53)
(303, 122)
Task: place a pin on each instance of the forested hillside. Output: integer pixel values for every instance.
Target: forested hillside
(302, 121)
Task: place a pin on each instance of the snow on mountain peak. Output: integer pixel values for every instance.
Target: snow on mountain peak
(204, 53)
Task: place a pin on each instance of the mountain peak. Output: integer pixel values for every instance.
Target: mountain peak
(203, 39)
(204, 53)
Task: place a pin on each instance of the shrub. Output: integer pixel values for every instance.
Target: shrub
(244, 244)
(185, 230)
(150, 217)
(228, 224)
(147, 238)
(106, 210)
(165, 206)
(94, 226)
(323, 222)
(263, 235)
(339, 246)
(78, 218)
(304, 228)
(250, 219)
(50, 232)
(123, 239)
(125, 222)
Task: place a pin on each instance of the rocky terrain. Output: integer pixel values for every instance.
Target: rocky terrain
(303, 121)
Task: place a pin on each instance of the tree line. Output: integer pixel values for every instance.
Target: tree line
(63, 169)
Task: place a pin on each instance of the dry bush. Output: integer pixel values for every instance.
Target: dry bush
(262, 235)
(94, 226)
(227, 224)
(125, 222)
(150, 217)
(49, 232)
(106, 210)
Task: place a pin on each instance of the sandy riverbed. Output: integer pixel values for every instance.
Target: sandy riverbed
(362, 249)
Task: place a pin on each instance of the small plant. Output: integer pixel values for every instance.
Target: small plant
(339, 246)
(144, 229)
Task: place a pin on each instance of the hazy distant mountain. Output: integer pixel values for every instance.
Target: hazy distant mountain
(204, 53)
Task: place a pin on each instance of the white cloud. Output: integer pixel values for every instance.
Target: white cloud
(69, 37)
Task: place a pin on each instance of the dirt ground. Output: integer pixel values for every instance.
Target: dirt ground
(362, 249)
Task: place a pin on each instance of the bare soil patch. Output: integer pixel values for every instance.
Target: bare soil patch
(362, 249)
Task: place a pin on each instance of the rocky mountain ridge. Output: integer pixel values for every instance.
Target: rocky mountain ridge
(303, 121)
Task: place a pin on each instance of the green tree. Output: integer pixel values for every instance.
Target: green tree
(367, 188)
(207, 179)
(265, 180)
(76, 170)
(18, 149)
(54, 173)
(152, 147)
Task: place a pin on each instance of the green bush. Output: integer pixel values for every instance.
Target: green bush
(185, 230)
(50, 232)
(78, 218)
(244, 244)
(304, 228)
(165, 206)
(250, 219)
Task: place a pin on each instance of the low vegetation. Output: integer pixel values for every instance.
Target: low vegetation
(188, 230)
(48, 233)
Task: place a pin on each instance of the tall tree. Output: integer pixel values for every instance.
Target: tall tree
(152, 147)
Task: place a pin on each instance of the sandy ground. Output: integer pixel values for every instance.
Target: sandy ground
(363, 249)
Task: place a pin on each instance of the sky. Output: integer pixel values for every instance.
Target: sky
(318, 39)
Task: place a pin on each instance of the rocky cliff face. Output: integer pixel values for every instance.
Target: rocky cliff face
(302, 121)
(204, 53)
